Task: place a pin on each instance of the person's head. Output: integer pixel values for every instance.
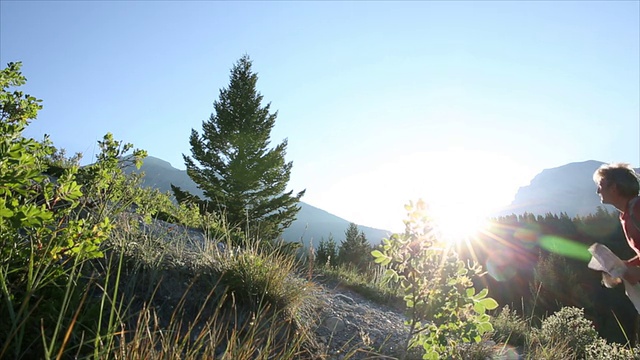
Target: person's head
(618, 178)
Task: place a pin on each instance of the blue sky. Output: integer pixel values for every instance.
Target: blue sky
(459, 103)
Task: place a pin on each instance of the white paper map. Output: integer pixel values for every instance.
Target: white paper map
(603, 259)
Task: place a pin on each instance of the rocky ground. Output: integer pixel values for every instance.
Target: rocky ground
(348, 320)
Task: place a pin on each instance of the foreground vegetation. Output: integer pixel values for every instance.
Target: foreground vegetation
(88, 270)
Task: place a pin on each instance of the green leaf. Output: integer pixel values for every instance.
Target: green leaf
(484, 327)
(5, 212)
(70, 191)
(380, 258)
(482, 294)
(489, 303)
(479, 308)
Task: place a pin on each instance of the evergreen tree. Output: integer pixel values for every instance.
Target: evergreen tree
(327, 251)
(355, 248)
(240, 176)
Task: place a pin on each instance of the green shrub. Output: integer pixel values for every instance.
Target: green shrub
(108, 190)
(601, 350)
(443, 307)
(567, 326)
(43, 242)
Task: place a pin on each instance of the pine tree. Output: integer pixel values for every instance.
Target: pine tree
(327, 251)
(355, 248)
(240, 176)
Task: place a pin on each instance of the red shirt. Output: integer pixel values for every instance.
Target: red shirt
(631, 228)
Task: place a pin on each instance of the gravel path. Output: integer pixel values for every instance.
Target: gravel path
(347, 321)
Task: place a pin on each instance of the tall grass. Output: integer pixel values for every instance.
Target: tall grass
(369, 283)
(168, 296)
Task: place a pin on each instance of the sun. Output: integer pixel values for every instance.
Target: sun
(458, 222)
(463, 189)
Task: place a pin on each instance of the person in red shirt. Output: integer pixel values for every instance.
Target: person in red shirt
(618, 186)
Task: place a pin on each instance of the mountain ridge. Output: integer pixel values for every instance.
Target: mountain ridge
(565, 189)
(311, 225)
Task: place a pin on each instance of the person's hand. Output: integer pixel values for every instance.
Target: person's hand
(632, 275)
(610, 281)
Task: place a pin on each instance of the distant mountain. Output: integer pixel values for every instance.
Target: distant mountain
(311, 223)
(568, 188)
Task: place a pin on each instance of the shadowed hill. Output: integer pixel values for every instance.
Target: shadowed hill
(311, 222)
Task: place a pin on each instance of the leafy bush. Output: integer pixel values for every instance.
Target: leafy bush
(153, 204)
(43, 242)
(54, 216)
(443, 307)
(108, 190)
(567, 326)
(601, 350)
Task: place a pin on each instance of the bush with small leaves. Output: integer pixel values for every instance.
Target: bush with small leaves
(443, 307)
(153, 204)
(108, 190)
(42, 243)
(601, 350)
(54, 216)
(568, 325)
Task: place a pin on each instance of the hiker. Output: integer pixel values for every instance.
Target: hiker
(618, 186)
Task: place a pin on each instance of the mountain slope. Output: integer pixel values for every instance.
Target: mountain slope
(311, 222)
(568, 188)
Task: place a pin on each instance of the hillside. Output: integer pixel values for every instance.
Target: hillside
(311, 223)
(568, 188)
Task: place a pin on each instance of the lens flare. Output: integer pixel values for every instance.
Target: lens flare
(500, 272)
(565, 247)
(528, 237)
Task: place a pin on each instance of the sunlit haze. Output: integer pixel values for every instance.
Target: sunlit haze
(458, 103)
